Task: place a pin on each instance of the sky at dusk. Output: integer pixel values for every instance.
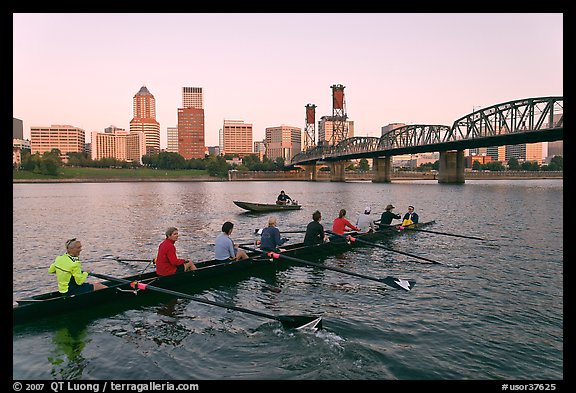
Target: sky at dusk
(415, 68)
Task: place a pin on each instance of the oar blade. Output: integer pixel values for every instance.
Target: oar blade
(301, 322)
(399, 283)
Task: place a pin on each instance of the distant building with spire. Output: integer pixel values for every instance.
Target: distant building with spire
(144, 120)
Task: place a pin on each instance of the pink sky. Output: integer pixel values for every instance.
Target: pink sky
(84, 69)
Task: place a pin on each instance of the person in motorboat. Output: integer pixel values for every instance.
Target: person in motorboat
(270, 238)
(224, 248)
(283, 198)
(167, 262)
(71, 279)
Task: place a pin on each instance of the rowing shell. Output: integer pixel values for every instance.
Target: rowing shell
(53, 304)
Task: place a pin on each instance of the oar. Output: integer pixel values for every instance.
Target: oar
(399, 227)
(120, 259)
(390, 281)
(288, 321)
(355, 239)
(300, 231)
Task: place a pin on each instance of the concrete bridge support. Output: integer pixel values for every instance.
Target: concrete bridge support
(310, 171)
(337, 171)
(382, 167)
(451, 167)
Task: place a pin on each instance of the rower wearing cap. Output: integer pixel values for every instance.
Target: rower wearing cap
(411, 217)
(388, 215)
(365, 221)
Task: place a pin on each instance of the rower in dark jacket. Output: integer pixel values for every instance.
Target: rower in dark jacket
(410, 216)
(283, 198)
(388, 215)
(315, 231)
(270, 239)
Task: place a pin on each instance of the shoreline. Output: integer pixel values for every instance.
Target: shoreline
(274, 177)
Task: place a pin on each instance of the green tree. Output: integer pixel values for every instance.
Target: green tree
(217, 166)
(532, 166)
(170, 160)
(513, 164)
(363, 165)
(280, 163)
(79, 159)
(558, 162)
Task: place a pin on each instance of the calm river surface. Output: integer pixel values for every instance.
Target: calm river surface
(497, 317)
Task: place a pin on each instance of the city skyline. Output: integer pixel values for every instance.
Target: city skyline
(84, 69)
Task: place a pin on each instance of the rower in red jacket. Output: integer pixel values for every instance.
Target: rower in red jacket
(341, 223)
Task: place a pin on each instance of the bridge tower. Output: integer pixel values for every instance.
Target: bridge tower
(310, 129)
(339, 116)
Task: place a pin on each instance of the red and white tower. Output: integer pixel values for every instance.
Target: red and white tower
(310, 129)
(339, 116)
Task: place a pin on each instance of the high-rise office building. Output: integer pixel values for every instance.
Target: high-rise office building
(192, 97)
(525, 152)
(144, 120)
(260, 149)
(283, 141)
(17, 128)
(191, 128)
(237, 137)
(66, 138)
(555, 148)
(390, 127)
(172, 139)
(119, 144)
(326, 130)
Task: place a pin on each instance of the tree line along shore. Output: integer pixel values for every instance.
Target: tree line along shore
(78, 175)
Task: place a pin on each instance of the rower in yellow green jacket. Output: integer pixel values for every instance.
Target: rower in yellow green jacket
(71, 279)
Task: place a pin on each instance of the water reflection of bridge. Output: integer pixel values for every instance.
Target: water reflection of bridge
(529, 120)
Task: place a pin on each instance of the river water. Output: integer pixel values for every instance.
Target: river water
(499, 316)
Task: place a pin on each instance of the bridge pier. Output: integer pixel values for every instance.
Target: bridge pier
(337, 171)
(382, 168)
(451, 167)
(310, 171)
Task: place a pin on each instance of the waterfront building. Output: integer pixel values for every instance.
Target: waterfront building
(555, 149)
(283, 141)
(237, 137)
(214, 150)
(260, 148)
(481, 158)
(144, 120)
(172, 139)
(191, 133)
(326, 130)
(66, 138)
(191, 130)
(525, 152)
(113, 129)
(390, 127)
(118, 143)
(17, 128)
